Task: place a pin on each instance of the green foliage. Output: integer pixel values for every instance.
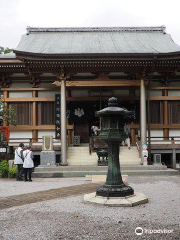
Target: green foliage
(8, 114)
(5, 50)
(4, 168)
(12, 172)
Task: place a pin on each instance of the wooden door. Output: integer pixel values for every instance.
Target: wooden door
(82, 130)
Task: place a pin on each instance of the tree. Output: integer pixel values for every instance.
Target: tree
(7, 115)
(5, 50)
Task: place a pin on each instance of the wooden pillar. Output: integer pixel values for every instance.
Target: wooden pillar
(35, 123)
(133, 138)
(143, 115)
(63, 123)
(165, 130)
(132, 93)
(5, 95)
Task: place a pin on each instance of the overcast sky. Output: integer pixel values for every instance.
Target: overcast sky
(16, 15)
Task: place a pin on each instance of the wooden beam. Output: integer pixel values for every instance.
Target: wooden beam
(161, 88)
(45, 99)
(28, 89)
(158, 126)
(165, 98)
(33, 99)
(76, 99)
(10, 61)
(110, 83)
(42, 127)
(68, 99)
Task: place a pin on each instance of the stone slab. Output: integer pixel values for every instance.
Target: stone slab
(129, 201)
(58, 174)
(48, 158)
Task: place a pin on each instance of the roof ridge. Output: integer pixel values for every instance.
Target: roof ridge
(97, 29)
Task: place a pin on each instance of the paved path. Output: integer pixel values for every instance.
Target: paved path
(68, 218)
(11, 187)
(23, 199)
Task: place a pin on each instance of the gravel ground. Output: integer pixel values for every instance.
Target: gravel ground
(12, 187)
(71, 219)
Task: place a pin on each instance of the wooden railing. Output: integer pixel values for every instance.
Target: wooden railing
(172, 141)
(29, 142)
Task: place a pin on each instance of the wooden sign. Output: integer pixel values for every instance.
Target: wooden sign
(47, 143)
(57, 116)
(102, 93)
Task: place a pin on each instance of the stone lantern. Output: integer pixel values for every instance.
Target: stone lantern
(112, 132)
(114, 192)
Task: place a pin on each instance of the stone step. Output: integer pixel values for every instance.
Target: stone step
(85, 159)
(80, 156)
(99, 168)
(57, 174)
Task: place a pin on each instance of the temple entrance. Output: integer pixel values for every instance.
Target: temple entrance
(82, 116)
(82, 129)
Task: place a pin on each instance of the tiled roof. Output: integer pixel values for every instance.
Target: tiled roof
(118, 40)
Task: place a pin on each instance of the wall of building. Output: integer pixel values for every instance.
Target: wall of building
(121, 92)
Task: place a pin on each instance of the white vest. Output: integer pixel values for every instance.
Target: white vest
(28, 161)
(18, 159)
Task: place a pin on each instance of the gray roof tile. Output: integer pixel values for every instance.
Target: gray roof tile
(97, 41)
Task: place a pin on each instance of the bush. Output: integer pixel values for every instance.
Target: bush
(12, 172)
(4, 168)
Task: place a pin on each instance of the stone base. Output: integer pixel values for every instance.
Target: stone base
(114, 191)
(48, 158)
(129, 201)
(63, 164)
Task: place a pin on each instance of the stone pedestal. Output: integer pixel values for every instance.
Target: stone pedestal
(145, 163)
(48, 158)
(128, 201)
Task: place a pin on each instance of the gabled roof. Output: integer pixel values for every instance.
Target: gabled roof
(82, 41)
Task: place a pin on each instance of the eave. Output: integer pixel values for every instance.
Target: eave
(96, 56)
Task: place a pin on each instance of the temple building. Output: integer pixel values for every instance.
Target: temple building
(57, 78)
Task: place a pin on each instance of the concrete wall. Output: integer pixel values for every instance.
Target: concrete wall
(47, 93)
(20, 134)
(20, 94)
(21, 85)
(155, 133)
(174, 132)
(156, 93)
(173, 92)
(46, 133)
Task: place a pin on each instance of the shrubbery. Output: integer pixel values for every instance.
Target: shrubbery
(12, 172)
(4, 168)
(5, 171)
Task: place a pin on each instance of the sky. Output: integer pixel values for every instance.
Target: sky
(16, 15)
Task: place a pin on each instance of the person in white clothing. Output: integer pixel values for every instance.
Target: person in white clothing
(28, 164)
(18, 160)
(128, 133)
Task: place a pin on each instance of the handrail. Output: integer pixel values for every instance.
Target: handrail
(26, 138)
(138, 143)
(166, 137)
